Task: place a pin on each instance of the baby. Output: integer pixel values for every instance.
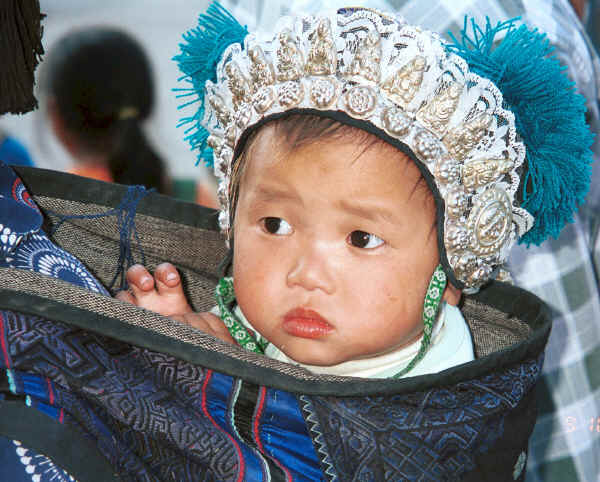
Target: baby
(334, 246)
(367, 177)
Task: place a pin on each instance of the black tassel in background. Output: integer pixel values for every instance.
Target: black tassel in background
(20, 51)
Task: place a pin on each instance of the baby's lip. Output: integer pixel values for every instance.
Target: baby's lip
(306, 323)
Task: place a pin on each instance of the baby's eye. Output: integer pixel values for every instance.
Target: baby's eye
(361, 239)
(277, 226)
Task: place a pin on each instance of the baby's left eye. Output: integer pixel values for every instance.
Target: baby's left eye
(276, 226)
(362, 239)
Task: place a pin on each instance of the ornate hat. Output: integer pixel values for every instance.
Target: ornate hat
(495, 127)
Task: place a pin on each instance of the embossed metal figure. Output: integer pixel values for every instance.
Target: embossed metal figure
(237, 83)
(367, 59)
(261, 70)
(406, 82)
(480, 172)
(438, 111)
(322, 57)
(462, 139)
(290, 61)
(220, 108)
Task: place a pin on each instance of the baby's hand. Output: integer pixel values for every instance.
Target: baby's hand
(163, 294)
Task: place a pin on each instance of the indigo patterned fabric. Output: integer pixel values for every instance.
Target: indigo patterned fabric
(19, 216)
(24, 245)
(445, 433)
(21, 464)
(154, 416)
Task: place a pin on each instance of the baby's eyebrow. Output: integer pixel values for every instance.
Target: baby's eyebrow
(274, 193)
(370, 212)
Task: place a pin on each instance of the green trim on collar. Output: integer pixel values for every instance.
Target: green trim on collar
(225, 296)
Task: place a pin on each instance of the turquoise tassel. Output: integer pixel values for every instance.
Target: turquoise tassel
(549, 117)
(200, 53)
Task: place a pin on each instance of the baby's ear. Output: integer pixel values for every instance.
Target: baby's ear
(451, 295)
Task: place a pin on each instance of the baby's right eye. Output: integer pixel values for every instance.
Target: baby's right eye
(277, 226)
(364, 240)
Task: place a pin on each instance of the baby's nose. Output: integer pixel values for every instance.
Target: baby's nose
(311, 269)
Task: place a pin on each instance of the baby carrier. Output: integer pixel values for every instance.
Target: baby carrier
(110, 391)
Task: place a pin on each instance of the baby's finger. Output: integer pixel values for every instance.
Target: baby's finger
(139, 280)
(169, 287)
(167, 278)
(126, 296)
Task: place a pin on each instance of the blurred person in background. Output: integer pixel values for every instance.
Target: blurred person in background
(100, 89)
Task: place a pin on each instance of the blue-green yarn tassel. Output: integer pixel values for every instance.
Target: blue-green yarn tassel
(201, 51)
(549, 117)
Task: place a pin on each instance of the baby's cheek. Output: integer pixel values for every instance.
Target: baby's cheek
(392, 297)
(402, 304)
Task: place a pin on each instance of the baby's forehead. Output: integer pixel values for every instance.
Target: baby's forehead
(338, 145)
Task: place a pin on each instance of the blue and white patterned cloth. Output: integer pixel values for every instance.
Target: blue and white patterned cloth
(20, 464)
(24, 245)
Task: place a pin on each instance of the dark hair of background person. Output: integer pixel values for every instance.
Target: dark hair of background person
(100, 83)
(20, 51)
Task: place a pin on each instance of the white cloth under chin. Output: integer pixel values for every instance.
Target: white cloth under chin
(451, 345)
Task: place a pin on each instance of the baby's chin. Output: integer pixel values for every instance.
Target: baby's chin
(318, 354)
(323, 356)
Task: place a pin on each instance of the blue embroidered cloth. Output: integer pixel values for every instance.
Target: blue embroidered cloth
(24, 245)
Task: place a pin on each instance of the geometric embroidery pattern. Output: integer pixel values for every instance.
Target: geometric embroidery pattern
(432, 435)
(152, 415)
(155, 416)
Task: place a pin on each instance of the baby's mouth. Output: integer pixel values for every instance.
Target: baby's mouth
(306, 323)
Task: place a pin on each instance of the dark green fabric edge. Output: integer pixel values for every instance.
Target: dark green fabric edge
(39, 432)
(514, 300)
(62, 185)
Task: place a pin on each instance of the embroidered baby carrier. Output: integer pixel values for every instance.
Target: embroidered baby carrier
(110, 391)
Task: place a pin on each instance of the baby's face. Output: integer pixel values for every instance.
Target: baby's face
(334, 248)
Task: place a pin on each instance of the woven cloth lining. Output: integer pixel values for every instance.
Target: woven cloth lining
(195, 252)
